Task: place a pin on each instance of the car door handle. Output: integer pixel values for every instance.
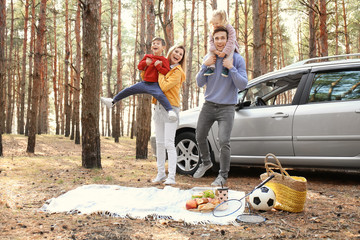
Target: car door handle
(280, 115)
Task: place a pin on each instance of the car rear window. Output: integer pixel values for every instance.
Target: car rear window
(335, 86)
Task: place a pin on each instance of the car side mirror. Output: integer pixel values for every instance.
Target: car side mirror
(241, 105)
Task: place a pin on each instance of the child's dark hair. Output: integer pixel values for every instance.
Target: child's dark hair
(220, 29)
(159, 39)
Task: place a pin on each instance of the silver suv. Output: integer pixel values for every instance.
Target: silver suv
(307, 114)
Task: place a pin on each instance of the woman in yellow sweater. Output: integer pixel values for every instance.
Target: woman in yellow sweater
(165, 130)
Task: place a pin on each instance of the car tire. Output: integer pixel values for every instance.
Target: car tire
(188, 154)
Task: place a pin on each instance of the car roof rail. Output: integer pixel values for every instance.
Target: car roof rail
(324, 59)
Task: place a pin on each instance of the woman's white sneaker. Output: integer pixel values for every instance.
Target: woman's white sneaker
(169, 181)
(159, 179)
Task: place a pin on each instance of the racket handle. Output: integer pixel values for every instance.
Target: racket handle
(264, 182)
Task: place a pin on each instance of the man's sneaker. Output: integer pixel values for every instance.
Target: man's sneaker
(225, 72)
(202, 170)
(172, 116)
(159, 179)
(219, 181)
(209, 72)
(108, 102)
(169, 181)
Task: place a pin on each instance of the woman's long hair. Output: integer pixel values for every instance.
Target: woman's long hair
(183, 60)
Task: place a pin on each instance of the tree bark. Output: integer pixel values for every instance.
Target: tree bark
(206, 37)
(2, 68)
(336, 28)
(66, 80)
(119, 77)
(109, 41)
(323, 30)
(256, 39)
(55, 82)
(347, 42)
(37, 77)
(143, 118)
(21, 123)
(76, 105)
(271, 38)
(91, 157)
(185, 25)
(31, 58)
(214, 4)
(167, 22)
(312, 30)
(246, 35)
(263, 20)
(10, 67)
(187, 84)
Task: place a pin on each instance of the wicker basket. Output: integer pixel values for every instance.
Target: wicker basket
(290, 191)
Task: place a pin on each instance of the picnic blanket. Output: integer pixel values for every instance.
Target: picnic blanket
(119, 201)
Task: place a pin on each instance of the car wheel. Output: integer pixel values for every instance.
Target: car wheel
(188, 154)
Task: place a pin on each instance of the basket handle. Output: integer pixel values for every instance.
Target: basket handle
(275, 165)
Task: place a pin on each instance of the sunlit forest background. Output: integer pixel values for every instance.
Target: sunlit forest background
(272, 34)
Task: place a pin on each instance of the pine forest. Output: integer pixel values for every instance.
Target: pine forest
(57, 58)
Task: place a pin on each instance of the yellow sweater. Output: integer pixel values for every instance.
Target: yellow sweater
(170, 84)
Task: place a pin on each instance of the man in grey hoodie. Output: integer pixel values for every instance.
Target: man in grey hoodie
(220, 98)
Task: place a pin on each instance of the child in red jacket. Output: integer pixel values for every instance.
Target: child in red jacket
(151, 64)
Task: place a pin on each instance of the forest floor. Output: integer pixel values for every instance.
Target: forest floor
(332, 209)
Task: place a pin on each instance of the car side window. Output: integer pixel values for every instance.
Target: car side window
(335, 86)
(277, 91)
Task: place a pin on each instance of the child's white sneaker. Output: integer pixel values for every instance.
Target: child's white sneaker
(108, 102)
(172, 116)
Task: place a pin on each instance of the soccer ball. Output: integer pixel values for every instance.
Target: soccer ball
(262, 198)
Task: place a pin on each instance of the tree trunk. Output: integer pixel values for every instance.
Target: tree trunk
(37, 77)
(144, 114)
(263, 20)
(237, 19)
(31, 57)
(109, 71)
(257, 39)
(66, 80)
(347, 42)
(100, 62)
(185, 25)
(312, 30)
(246, 35)
(336, 28)
(280, 50)
(55, 88)
(135, 65)
(2, 67)
(214, 4)
(323, 30)
(271, 38)
(119, 78)
(186, 86)
(169, 24)
(206, 37)
(10, 67)
(91, 157)
(21, 123)
(76, 104)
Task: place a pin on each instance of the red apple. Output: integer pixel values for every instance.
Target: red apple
(191, 204)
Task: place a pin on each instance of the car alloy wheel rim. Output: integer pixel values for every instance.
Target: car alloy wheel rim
(187, 155)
